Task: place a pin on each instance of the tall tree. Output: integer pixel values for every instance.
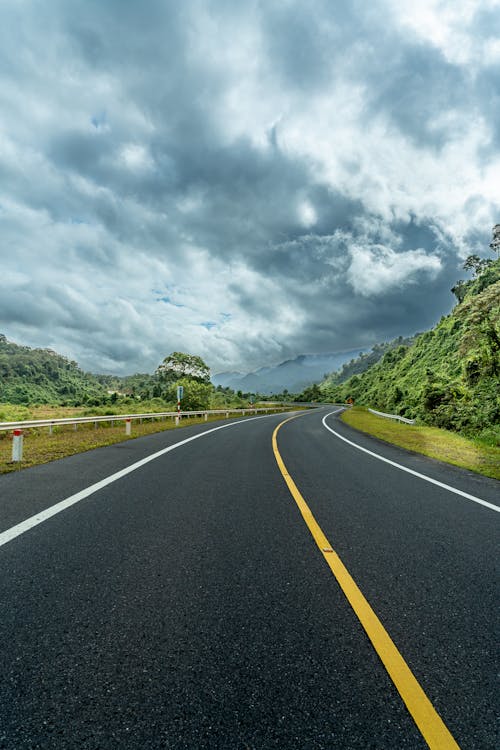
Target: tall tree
(181, 365)
(476, 264)
(495, 243)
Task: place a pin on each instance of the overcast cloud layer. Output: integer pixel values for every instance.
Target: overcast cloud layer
(245, 181)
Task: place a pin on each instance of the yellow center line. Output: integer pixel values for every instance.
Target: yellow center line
(430, 724)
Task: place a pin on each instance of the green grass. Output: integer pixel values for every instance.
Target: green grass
(19, 412)
(40, 447)
(430, 441)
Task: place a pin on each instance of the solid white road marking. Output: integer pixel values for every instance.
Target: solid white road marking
(44, 515)
(410, 471)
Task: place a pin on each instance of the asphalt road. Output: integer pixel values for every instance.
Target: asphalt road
(186, 605)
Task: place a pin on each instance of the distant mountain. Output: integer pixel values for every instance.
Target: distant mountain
(226, 378)
(293, 375)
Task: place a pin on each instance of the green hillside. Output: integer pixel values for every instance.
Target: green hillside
(450, 376)
(141, 385)
(42, 376)
(365, 361)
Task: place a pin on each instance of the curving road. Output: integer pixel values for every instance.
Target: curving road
(183, 602)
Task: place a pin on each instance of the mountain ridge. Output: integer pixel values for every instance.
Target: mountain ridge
(31, 375)
(292, 374)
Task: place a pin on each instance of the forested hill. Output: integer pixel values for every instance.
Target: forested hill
(365, 361)
(450, 375)
(42, 376)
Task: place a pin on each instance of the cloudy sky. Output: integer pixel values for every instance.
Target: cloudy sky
(247, 181)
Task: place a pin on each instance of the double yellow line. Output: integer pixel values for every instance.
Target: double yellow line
(421, 709)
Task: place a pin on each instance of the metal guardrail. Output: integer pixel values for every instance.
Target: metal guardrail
(17, 428)
(30, 424)
(392, 416)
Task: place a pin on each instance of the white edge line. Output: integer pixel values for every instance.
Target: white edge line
(410, 471)
(44, 515)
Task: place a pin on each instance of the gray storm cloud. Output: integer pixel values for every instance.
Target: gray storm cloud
(245, 181)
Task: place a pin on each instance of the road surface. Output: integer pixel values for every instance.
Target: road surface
(183, 603)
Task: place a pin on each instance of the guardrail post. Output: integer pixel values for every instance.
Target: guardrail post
(50, 429)
(17, 445)
(206, 417)
(176, 421)
(75, 426)
(128, 424)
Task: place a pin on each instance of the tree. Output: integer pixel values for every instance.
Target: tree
(460, 290)
(196, 395)
(312, 393)
(180, 365)
(495, 244)
(480, 267)
(476, 264)
(481, 329)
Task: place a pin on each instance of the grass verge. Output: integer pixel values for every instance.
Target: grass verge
(430, 441)
(40, 447)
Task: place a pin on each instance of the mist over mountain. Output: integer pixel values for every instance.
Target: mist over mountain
(293, 375)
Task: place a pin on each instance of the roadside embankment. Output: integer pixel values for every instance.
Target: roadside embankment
(430, 441)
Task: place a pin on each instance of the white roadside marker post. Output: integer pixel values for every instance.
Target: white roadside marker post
(17, 445)
(180, 393)
(206, 417)
(128, 423)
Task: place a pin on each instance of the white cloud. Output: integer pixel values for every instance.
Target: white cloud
(447, 25)
(202, 195)
(307, 214)
(136, 157)
(377, 269)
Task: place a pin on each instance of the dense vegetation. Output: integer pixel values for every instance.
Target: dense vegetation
(365, 361)
(41, 376)
(449, 376)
